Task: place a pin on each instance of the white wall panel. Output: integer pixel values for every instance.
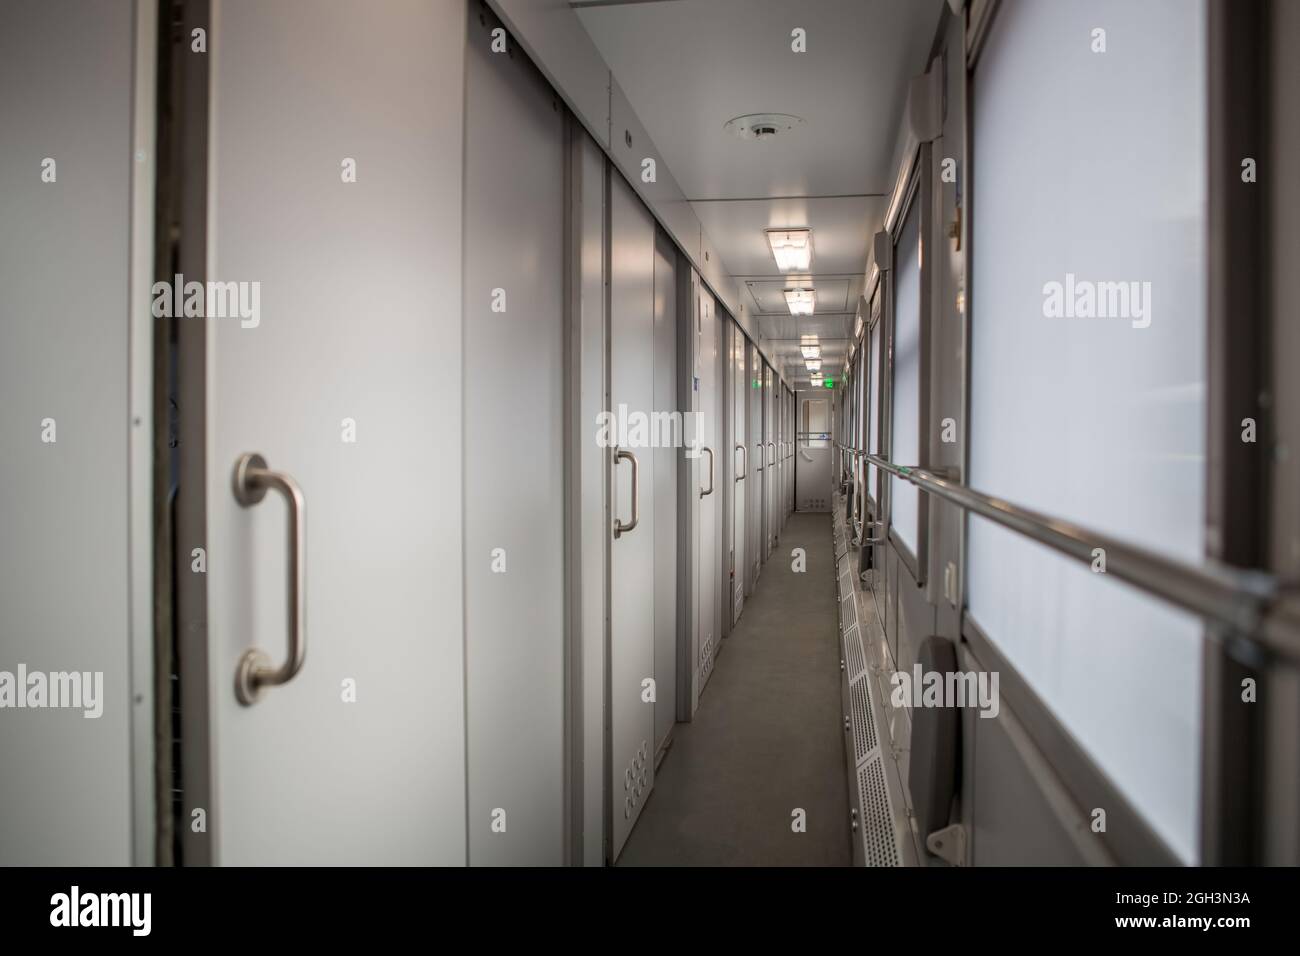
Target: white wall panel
(65, 334)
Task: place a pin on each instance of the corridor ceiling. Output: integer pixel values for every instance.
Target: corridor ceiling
(689, 66)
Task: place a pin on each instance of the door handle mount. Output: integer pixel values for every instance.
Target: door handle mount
(619, 527)
(255, 673)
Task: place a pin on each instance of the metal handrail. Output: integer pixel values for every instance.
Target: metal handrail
(1246, 602)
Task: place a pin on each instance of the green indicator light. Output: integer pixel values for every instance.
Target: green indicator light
(830, 383)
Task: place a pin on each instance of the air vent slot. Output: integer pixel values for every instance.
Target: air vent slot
(849, 611)
(877, 815)
(864, 721)
(853, 654)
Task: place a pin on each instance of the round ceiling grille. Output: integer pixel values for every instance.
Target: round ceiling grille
(763, 126)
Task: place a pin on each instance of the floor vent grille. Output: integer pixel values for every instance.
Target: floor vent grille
(877, 815)
(849, 611)
(853, 655)
(864, 721)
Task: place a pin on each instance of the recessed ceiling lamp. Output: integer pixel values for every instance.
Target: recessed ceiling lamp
(814, 365)
(791, 248)
(813, 351)
(800, 301)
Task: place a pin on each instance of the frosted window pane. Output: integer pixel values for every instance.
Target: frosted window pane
(905, 442)
(873, 437)
(1089, 168)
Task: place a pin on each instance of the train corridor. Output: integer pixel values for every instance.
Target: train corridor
(765, 742)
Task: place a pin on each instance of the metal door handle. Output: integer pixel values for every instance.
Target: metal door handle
(771, 453)
(709, 490)
(255, 673)
(744, 461)
(759, 446)
(619, 527)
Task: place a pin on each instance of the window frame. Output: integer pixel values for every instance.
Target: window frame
(918, 196)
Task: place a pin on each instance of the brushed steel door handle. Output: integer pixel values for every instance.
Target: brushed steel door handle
(771, 453)
(709, 490)
(620, 528)
(255, 673)
(744, 461)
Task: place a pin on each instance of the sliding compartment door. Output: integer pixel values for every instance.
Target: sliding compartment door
(666, 457)
(346, 381)
(632, 544)
(737, 469)
(75, 336)
(708, 558)
(514, 307)
(756, 471)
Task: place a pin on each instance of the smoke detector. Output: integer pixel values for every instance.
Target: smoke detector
(764, 126)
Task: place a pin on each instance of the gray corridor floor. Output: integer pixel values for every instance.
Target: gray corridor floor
(767, 738)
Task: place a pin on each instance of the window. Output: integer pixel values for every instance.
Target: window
(1088, 330)
(873, 412)
(905, 442)
(816, 423)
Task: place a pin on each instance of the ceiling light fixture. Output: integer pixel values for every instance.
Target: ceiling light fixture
(814, 365)
(763, 126)
(811, 351)
(791, 248)
(800, 301)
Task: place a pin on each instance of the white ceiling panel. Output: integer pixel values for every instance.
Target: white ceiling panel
(689, 66)
(783, 337)
(841, 231)
(833, 294)
(686, 67)
(768, 295)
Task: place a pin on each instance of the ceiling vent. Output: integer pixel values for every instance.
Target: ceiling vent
(763, 126)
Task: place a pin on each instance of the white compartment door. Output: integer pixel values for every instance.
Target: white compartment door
(347, 381)
(632, 544)
(514, 517)
(76, 786)
(665, 494)
(770, 471)
(707, 558)
(737, 470)
(754, 439)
